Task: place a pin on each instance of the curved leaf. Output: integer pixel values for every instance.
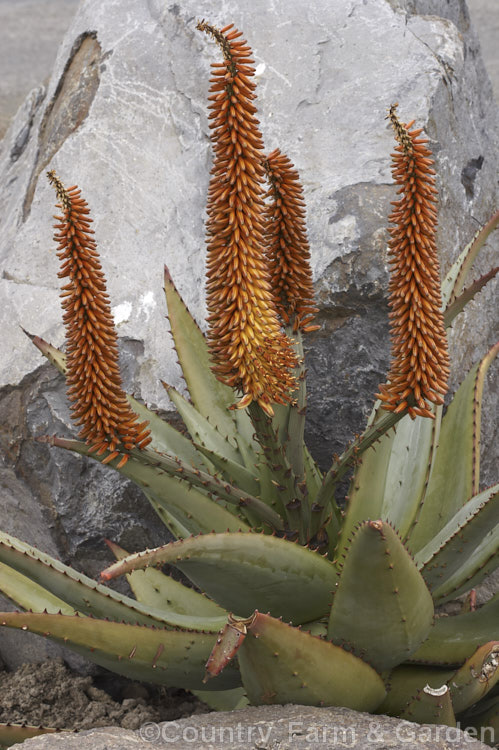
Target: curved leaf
(477, 677)
(244, 572)
(405, 682)
(463, 546)
(431, 706)
(155, 589)
(201, 429)
(30, 595)
(453, 283)
(455, 473)
(454, 639)
(178, 494)
(380, 577)
(159, 655)
(83, 593)
(282, 664)
(210, 397)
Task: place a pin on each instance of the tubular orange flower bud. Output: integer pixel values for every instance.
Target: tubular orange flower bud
(248, 348)
(94, 383)
(420, 362)
(288, 249)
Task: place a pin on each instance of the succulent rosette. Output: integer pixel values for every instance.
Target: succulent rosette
(294, 596)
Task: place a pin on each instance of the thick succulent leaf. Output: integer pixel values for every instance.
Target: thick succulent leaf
(405, 682)
(313, 475)
(453, 283)
(30, 595)
(167, 439)
(177, 528)
(410, 465)
(209, 396)
(154, 588)
(223, 700)
(233, 471)
(390, 478)
(230, 496)
(191, 504)
(202, 431)
(455, 473)
(472, 572)
(289, 419)
(89, 597)
(282, 664)
(431, 706)
(485, 721)
(469, 293)
(365, 496)
(244, 572)
(12, 734)
(464, 545)
(467, 685)
(193, 508)
(382, 423)
(164, 436)
(280, 421)
(477, 677)
(279, 484)
(54, 355)
(159, 655)
(245, 438)
(454, 639)
(397, 609)
(378, 425)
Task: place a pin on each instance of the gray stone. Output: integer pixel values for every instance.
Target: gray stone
(268, 728)
(30, 33)
(124, 115)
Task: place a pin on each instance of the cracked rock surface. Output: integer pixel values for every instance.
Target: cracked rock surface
(124, 116)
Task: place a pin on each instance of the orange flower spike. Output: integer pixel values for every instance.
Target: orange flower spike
(288, 249)
(248, 348)
(420, 362)
(99, 403)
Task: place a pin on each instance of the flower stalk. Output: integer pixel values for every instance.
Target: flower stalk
(420, 363)
(249, 350)
(95, 390)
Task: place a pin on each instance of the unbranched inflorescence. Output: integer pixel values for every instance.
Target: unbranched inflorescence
(420, 364)
(99, 403)
(288, 248)
(250, 352)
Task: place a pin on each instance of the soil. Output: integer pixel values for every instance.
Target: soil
(49, 694)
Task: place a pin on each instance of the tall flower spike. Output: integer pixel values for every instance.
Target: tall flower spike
(288, 248)
(248, 348)
(99, 403)
(420, 363)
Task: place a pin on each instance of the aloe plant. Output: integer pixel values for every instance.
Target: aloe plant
(297, 598)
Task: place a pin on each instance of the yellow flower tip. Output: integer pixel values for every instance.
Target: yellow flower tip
(245, 401)
(248, 349)
(266, 407)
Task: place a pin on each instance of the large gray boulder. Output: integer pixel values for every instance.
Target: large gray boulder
(124, 116)
(271, 728)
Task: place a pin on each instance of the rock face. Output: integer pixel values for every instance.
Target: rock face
(30, 30)
(269, 728)
(125, 117)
